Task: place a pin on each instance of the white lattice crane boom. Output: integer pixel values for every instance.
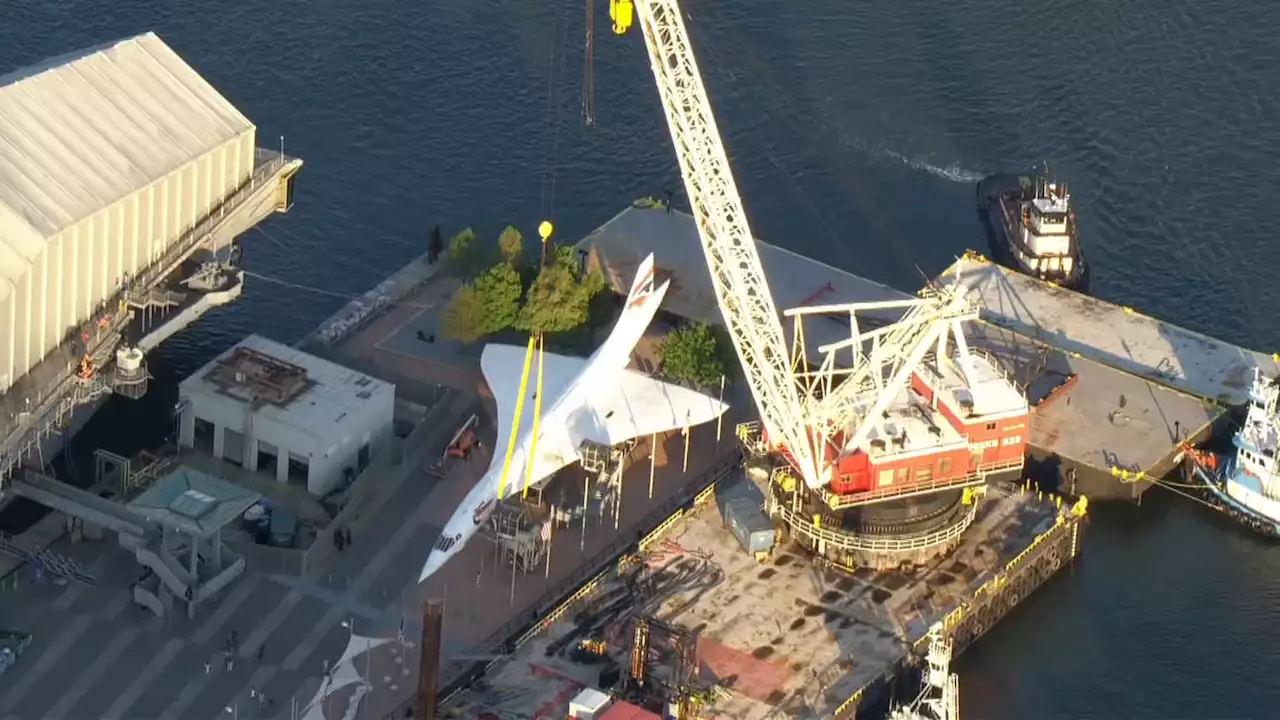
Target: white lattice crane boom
(800, 410)
(736, 272)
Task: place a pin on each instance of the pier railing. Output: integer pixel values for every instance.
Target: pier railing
(266, 164)
(47, 405)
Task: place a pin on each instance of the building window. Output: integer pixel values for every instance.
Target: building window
(991, 426)
(886, 478)
(944, 466)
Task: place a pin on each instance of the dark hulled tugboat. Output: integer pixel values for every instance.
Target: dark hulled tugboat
(1032, 228)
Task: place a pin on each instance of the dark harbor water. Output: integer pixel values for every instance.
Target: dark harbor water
(856, 131)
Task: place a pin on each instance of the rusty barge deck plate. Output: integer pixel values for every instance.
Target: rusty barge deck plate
(783, 634)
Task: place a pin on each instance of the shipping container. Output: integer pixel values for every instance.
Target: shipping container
(742, 489)
(590, 704)
(748, 523)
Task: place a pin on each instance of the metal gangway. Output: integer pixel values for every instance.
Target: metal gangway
(75, 502)
(46, 560)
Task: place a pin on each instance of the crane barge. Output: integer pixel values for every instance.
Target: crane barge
(891, 429)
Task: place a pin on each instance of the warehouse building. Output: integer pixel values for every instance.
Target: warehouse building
(278, 411)
(107, 157)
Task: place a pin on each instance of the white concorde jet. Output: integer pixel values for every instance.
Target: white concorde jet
(597, 399)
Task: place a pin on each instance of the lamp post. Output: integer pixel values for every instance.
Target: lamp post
(350, 625)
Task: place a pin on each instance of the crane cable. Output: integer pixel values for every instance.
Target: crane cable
(537, 343)
(546, 203)
(537, 415)
(551, 148)
(588, 70)
(515, 422)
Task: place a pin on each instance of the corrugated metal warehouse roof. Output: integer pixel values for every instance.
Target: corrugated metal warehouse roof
(81, 131)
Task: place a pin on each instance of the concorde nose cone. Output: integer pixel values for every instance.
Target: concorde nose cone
(434, 561)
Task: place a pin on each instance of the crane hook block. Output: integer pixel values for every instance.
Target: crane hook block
(544, 231)
(621, 12)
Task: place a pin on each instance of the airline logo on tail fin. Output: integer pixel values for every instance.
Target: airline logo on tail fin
(642, 288)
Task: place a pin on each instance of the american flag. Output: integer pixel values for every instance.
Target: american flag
(546, 531)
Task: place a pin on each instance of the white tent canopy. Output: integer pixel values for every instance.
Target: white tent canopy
(341, 675)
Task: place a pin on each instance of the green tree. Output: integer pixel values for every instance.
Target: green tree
(560, 297)
(511, 247)
(464, 317)
(697, 354)
(463, 253)
(499, 290)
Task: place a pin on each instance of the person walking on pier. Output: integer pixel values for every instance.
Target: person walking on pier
(435, 246)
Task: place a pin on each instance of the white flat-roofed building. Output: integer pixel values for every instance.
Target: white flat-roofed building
(276, 410)
(107, 157)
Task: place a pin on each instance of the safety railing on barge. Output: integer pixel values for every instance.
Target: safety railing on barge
(803, 525)
(586, 579)
(1065, 529)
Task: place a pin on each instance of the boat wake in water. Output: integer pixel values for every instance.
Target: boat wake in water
(952, 172)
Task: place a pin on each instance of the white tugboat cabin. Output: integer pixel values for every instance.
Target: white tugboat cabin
(1045, 232)
(1247, 485)
(1032, 227)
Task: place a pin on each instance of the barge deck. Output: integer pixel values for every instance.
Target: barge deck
(1095, 431)
(790, 634)
(1120, 337)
